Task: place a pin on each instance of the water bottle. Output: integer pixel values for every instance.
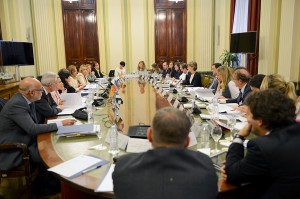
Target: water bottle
(204, 136)
(113, 137)
(89, 108)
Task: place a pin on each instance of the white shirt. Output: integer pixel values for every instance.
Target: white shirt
(120, 72)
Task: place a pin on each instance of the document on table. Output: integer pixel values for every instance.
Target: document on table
(80, 129)
(136, 145)
(204, 92)
(78, 166)
(71, 102)
(107, 183)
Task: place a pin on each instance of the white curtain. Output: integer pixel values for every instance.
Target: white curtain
(240, 23)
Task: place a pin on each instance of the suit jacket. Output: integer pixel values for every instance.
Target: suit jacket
(165, 173)
(45, 108)
(18, 124)
(214, 85)
(196, 82)
(242, 97)
(98, 74)
(272, 163)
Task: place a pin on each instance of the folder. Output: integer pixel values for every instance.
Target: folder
(78, 166)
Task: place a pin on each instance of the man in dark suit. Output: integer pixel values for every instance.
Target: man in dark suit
(241, 77)
(165, 70)
(215, 82)
(46, 106)
(169, 170)
(193, 78)
(19, 123)
(272, 162)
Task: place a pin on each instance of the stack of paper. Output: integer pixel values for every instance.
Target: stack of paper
(76, 130)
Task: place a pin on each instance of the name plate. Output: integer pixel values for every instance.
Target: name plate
(170, 98)
(176, 103)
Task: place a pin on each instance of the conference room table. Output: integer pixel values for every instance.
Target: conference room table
(140, 102)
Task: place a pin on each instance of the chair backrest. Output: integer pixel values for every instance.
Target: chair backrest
(2, 103)
(22, 171)
(206, 80)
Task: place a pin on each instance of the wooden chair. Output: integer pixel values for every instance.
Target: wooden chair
(206, 80)
(23, 170)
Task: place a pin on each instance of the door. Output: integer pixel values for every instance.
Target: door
(80, 32)
(170, 31)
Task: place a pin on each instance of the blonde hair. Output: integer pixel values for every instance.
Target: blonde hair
(81, 67)
(71, 69)
(226, 76)
(278, 82)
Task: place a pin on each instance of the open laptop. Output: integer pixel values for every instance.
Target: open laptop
(139, 131)
(111, 73)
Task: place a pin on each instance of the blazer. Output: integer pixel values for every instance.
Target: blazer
(196, 82)
(241, 96)
(98, 74)
(272, 163)
(165, 173)
(45, 108)
(214, 85)
(18, 124)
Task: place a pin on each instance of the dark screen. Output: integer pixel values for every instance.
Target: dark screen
(16, 53)
(243, 42)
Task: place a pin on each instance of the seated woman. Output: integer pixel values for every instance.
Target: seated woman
(59, 89)
(278, 82)
(65, 77)
(82, 75)
(96, 70)
(91, 74)
(193, 78)
(155, 71)
(73, 79)
(226, 87)
(171, 70)
(141, 69)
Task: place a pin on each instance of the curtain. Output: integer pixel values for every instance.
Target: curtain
(232, 11)
(253, 25)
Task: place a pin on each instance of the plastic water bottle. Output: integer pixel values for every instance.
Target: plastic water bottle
(215, 103)
(89, 108)
(204, 136)
(113, 137)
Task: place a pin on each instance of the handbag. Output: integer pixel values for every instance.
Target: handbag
(80, 114)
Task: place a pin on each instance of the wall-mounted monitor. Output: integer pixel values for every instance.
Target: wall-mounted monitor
(244, 42)
(16, 53)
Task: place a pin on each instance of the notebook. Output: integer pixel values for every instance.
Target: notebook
(139, 131)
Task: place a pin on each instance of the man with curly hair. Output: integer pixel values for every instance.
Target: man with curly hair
(272, 162)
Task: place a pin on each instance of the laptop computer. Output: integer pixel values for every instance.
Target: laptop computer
(139, 131)
(111, 73)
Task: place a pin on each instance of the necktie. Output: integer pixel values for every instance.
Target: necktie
(240, 97)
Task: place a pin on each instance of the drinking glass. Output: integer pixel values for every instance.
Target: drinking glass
(99, 135)
(231, 122)
(216, 134)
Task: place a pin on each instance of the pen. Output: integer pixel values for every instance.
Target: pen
(92, 168)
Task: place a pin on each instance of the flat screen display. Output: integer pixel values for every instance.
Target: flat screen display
(16, 53)
(244, 42)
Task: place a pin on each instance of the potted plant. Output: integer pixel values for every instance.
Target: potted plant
(229, 59)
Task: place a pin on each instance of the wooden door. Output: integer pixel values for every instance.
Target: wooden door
(80, 32)
(170, 31)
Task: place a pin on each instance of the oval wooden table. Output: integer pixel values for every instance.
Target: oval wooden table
(140, 102)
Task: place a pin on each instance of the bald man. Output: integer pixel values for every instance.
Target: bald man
(241, 78)
(19, 124)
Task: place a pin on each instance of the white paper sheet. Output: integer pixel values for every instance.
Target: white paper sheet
(71, 100)
(193, 140)
(82, 128)
(77, 166)
(107, 183)
(204, 92)
(136, 145)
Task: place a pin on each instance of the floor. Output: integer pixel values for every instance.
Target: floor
(14, 189)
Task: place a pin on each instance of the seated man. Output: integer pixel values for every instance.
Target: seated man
(46, 106)
(19, 125)
(272, 162)
(169, 170)
(214, 83)
(241, 79)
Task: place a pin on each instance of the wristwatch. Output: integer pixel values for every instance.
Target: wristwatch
(239, 136)
(238, 139)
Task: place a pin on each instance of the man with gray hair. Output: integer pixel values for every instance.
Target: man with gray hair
(46, 106)
(169, 170)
